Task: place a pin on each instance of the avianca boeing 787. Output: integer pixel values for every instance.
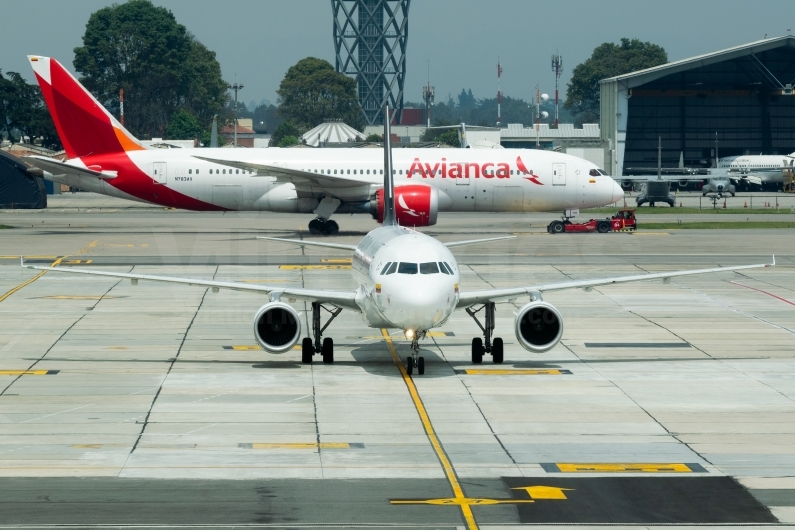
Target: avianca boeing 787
(105, 158)
(407, 281)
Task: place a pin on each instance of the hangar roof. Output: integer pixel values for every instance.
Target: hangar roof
(650, 74)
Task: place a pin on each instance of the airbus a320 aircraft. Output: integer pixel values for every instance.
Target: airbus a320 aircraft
(104, 157)
(407, 281)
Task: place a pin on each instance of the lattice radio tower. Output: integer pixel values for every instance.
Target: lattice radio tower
(557, 67)
(370, 43)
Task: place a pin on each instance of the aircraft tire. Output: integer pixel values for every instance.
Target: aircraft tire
(328, 350)
(557, 227)
(409, 365)
(477, 350)
(332, 227)
(497, 351)
(421, 365)
(307, 350)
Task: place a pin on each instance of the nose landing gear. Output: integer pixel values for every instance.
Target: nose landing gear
(310, 347)
(326, 227)
(495, 348)
(415, 361)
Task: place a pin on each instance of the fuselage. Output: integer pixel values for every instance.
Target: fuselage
(767, 167)
(468, 180)
(407, 280)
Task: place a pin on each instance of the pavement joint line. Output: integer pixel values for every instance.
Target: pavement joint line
(447, 466)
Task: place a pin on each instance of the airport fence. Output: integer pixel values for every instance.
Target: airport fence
(749, 201)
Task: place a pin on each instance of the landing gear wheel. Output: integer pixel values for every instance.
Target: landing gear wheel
(328, 350)
(420, 365)
(307, 350)
(409, 365)
(603, 227)
(557, 227)
(477, 350)
(332, 227)
(497, 351)
(315, 227)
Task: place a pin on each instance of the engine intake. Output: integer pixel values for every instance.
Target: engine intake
(415, 205)
(539, 326)
(277, 327)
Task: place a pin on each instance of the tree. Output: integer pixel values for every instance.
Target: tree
(161, 67)
(284, 130)
(22, 110)
(287, 141)
(312, 92)
(607, 60)
(443, 136)
(374, 138)
(266, 118)
(183, 126)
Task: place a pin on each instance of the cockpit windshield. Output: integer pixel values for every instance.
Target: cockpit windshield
(429, 268)
(445, 268)
(598, 172)
(407, 268)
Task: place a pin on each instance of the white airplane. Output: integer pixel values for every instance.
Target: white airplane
(104, 157)
(407, 281)
(763, 171)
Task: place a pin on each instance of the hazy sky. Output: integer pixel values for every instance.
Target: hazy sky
(257, 40)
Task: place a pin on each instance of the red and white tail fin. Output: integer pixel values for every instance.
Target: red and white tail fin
(84, 125)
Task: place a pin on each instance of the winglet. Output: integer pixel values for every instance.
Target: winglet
(774, 262)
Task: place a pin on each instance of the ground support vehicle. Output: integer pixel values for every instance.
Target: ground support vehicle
(622, 221)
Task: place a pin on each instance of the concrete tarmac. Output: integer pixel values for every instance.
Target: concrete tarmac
(151, 404)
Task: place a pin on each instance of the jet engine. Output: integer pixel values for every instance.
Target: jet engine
(277, 327)
(415, 205)
(539, 326)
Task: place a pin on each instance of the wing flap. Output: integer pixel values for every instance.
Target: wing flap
(294, 176)
(346, 299)
(467, 299)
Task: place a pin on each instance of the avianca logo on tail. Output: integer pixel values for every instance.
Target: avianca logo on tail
(458, 170)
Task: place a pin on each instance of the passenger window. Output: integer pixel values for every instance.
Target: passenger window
(392, 269)
(429, 268)
(190, 172)
(407, 268)
(383, 271)
(197, 171)
(237, 172)
(368, 171)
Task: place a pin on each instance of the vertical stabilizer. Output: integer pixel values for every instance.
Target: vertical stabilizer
(84, 125)
(389, 178)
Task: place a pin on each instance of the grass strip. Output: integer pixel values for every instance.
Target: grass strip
(704, 211)
(4, 227)
(711, 225)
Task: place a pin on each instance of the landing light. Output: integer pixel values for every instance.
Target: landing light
(409, 334)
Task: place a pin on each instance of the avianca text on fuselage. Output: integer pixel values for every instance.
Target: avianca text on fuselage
(457, 170)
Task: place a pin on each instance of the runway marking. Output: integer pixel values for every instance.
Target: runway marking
(779, 298)
(346, 260)
(311, 445)
(637, 345)
(251, 347)
(513, 372)
(452, 478)
(315, 267)
(68, 297)
(29, 372)
(534, 493)
(622, 468)
(400, 336)
(649, 233)
(87, 446)
(29, 257)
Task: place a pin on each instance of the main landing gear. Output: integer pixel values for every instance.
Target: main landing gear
(415, 361)
(310, 347)
(326, 227)
(495, 347)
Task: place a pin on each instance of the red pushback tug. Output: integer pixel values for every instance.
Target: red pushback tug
(621, 221)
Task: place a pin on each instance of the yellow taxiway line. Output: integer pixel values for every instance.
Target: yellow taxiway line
(449, 471)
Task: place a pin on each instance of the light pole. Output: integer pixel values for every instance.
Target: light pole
(236, 87)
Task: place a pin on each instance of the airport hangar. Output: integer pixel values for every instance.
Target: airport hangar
(744, 94)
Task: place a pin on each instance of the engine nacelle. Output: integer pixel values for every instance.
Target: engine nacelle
(415, 205)
(539, 326)
(277, 327)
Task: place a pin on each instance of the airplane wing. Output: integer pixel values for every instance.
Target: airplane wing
(346, 299)
(476, 241)
(59, 168)
(467, 299)
(301, 242)
(753, 179)
(295, 176)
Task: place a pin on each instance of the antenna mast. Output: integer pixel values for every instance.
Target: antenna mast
(427, 95)
(557, 67)
(499, 92)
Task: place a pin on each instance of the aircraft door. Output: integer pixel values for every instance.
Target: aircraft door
(558, 174)
(159, 172)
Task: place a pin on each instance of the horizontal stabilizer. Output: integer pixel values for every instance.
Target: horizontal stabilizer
(301, 242)
(57, 168)
(476, 241)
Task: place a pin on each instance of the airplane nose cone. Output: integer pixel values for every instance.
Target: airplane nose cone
(618, 193)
